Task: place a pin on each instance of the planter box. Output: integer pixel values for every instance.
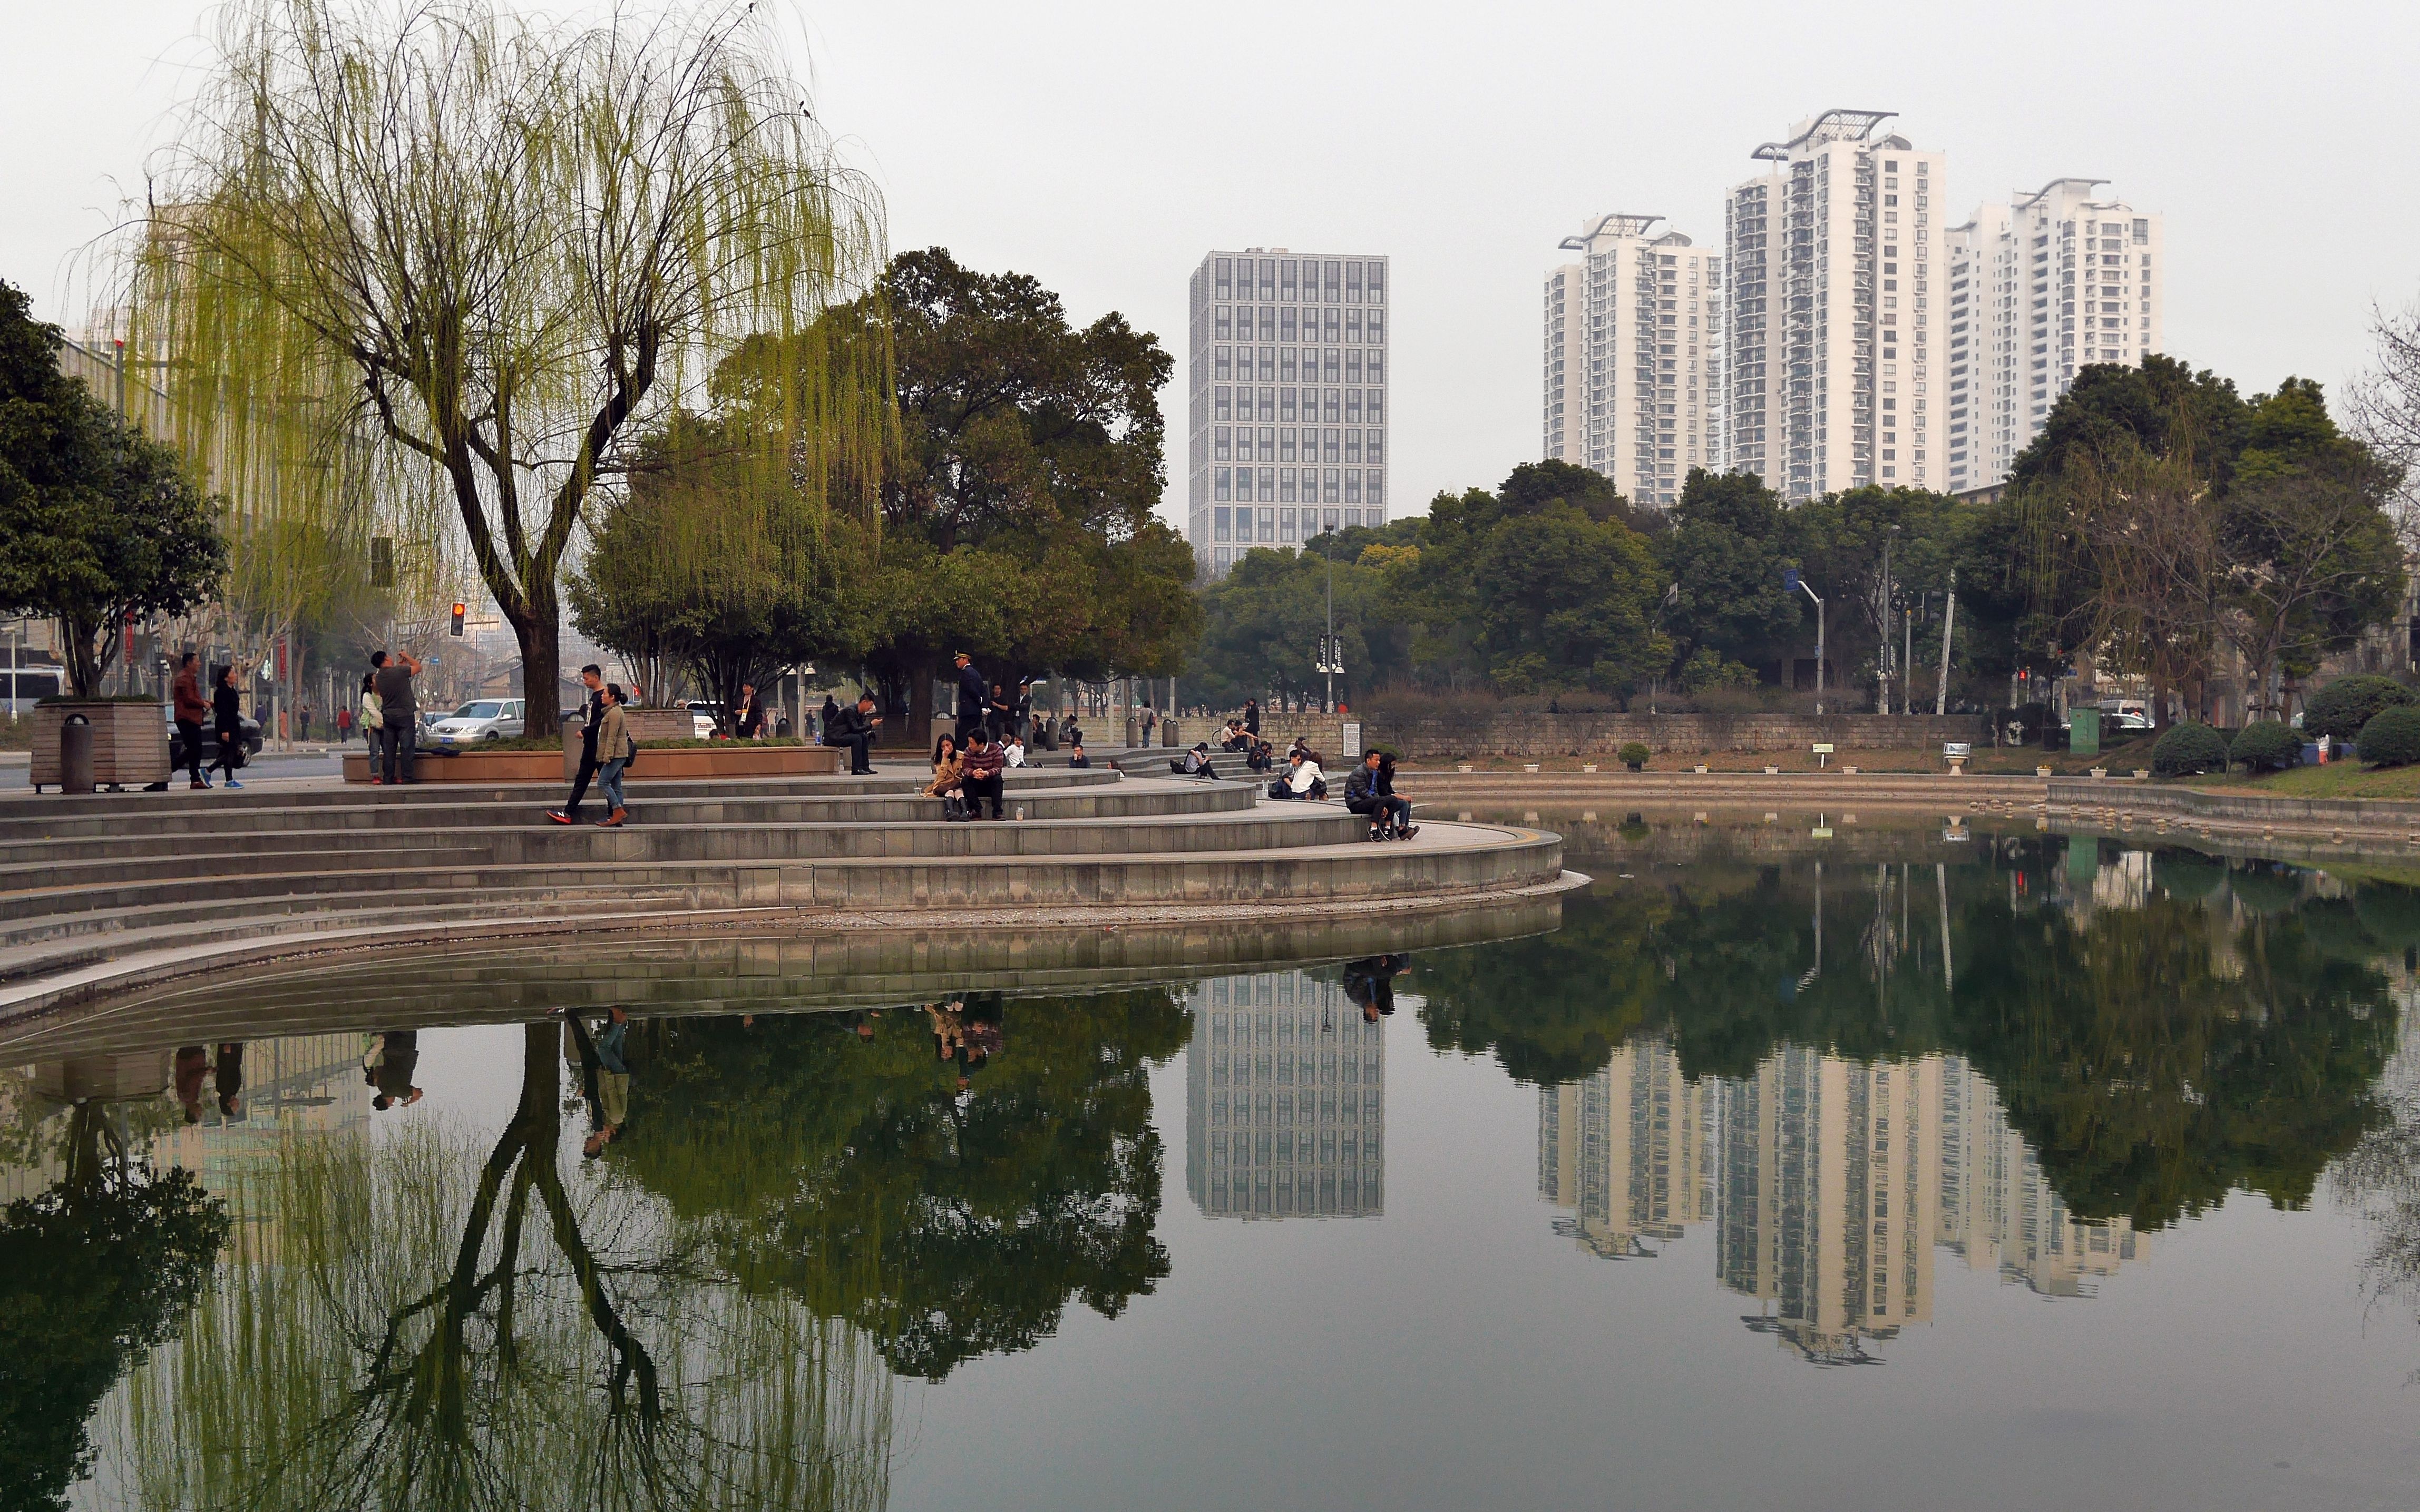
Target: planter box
(736, 759)
(130, 741)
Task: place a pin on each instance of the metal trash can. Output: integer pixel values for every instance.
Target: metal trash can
(75, 754)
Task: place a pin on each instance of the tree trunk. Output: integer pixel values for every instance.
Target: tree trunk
(920, 673)
(541, 663)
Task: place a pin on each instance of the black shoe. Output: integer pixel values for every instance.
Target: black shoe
(1407, 831)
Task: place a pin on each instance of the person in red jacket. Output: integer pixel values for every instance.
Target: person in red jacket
(982, 769)
(191, 710)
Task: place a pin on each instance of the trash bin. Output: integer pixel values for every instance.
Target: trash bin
(1134, 731)
(75, 754)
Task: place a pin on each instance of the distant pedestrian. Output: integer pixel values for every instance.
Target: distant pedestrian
(398, 708)
(373, 720)
(984, 765)
(751, 713)
(1150, 725)
(191, 709)
(343, 725)
(592, 715)
(974, 699)
(614, 752)
(1012, 751)
(226, 711)
(830, 712)
(855, 730)
(302, 722)
(1251, 716)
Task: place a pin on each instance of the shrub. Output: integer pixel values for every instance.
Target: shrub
(2392, 737)
(2344, 706)
(2266, 746)
(2188, 749)
(1633, 755)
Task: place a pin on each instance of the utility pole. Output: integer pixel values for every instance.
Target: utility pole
(1941, 690)
(1327, 657)
(1907, 662)
(1883, 617)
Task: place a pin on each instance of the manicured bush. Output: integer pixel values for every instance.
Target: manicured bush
(1633, 755)
(2344, 706)
(2392, 737)
(2189, 748)
(2266, 746)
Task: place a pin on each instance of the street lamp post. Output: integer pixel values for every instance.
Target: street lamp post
(1790, 580)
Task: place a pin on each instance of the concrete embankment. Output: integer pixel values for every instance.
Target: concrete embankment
(2245, 822)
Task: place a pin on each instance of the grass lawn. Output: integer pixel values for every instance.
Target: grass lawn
(2337, 780)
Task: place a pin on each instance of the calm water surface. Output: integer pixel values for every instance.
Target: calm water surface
(1807, 1162)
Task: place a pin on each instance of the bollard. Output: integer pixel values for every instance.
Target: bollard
(75, 754)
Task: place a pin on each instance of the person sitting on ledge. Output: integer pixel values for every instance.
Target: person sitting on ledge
(949, 780)
(1371, 790)
(854, 731)
(1234, 741)
(1195, 763)
(1076, 756)
(1262, 757)
(1303, 779)
(982, 769)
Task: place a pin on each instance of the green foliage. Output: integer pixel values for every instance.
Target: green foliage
(2392, 737)
(101, 1269)
(1726, 553)
(436, 260)
(2266, 746)
(1706, 671)
(1634, 754)
(2340, 709)
(1019, 507)
(2189, 748)
(98, 522)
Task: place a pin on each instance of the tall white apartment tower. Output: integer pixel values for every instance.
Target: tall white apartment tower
(1835, 261)
(1633, 356)
(1285, 400)
(2049, 283)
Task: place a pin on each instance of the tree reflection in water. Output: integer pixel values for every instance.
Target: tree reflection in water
(422, 1322)
(848, 1169)
(99, 1268)
(2162, 1027)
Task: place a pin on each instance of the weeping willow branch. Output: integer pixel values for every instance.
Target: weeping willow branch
(450, 260)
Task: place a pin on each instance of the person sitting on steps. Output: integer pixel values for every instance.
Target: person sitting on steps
(949, 780)
(1303, 779)
(854, 731)
(1371, 790)
(982, 769)
(1076, 756)
(1195, 763)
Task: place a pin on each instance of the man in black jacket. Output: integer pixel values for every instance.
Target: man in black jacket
(974, 699)
(855, 729)
(1369, 791)
(591, 713)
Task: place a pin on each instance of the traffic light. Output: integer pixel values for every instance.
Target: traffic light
(459, 609)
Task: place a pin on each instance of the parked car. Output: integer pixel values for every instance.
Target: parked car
(706, 718)
(209, 741)
(476, 723)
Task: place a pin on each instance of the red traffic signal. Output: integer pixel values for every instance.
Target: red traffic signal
(459, 609)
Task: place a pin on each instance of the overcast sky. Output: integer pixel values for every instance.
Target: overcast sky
(1104, 147)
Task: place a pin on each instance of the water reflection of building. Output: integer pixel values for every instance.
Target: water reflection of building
(1285, 1101)
(1828, 1185)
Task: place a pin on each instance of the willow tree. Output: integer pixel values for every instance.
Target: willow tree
(498, 245)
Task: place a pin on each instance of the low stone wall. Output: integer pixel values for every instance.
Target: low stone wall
(1535, 735)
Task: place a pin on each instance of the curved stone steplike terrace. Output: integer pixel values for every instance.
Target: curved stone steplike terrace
(98, 893)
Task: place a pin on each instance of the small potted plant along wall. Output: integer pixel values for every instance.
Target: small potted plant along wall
(139, 542)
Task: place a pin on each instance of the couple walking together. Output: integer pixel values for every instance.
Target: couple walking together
(606, 750)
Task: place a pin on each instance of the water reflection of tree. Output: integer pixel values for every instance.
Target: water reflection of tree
(849, 1172)
(2221, 1032)
(98, 1269)
(425, 1322)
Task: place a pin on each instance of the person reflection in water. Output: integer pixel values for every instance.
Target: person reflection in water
(612, 1082)
(969, 1035)
(389, 1068)
(193, 1064)
(1371, 982)
(227, 1076)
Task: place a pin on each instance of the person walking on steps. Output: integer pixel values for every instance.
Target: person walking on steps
(592, 715)
(191, 710)
(402, 717)
(1371, 791)
(226, 710)
(614, 750)
(373, 720)
(855, 730)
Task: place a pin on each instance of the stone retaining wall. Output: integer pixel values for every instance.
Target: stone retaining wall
(1536, 736)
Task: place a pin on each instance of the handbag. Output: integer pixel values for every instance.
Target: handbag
(235, 756)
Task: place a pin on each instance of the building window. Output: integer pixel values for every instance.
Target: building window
(1285, 405)
(1269, 525)
(1224, 270)
(1374, 369)
(1377, 327)
(1223, 530)
(1268, 444)
(1269, 404)
(1222, 363)
(1221, 402)
(1377, 406)
(1268, 484)
(1268, 322)
(1353, 364)
(1377, 283)
(1353, 407)
(1353, 327)
(1334, 326)
(1226, 557)
(1285, 279)
(1374, 487)
(1285, 321)
(1334, 281)
(1222, 322)
(1373, 445)
(1331, 484)
(1285, 476)
(1268, 278)
(1219, 437)
(1352, 485)
(1268, 364)
(1331, 446)
(1333, 367)
(1285, 522)
(1335, 399)
(1353, 449)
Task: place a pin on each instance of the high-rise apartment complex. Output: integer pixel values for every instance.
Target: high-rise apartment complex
(1633, 356)
(1849, 336)
(1835, 260)
(1285, 1101)
(2045, 285)
(1286, 400)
